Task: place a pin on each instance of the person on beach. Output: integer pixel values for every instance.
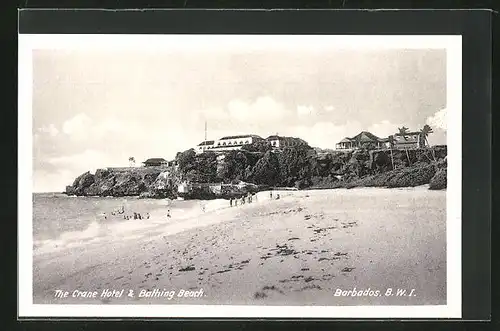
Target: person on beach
(236, 201)
(147, 215)
(271, 194)
(168, 213)
(230, 202)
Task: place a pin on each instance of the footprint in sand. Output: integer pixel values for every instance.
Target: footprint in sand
(262, 294)
(188, 268)
(311, 287)
(347, 269)
(309, 279)
(106, 300)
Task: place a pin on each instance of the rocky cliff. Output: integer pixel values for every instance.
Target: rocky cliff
(301, 167)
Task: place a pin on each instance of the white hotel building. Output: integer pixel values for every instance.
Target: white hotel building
(237, 142)
(226, 143)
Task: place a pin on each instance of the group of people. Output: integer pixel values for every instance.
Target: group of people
(271, 195)
(136, 216)
(248, 198)
(121, 211)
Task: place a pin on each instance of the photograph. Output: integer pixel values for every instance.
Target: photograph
(240, 175)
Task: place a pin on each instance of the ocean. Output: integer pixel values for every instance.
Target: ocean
(61, 221)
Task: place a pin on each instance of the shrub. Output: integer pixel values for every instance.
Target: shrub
(413, 176)
(438, 182)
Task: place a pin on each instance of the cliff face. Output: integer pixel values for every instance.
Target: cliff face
(116, 183)
(299, 167)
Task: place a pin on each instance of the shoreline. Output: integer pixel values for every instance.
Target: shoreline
(289, 189)
(293, 251)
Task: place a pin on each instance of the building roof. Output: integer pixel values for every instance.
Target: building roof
(241, 136)
(155, 160)
(365, 136)
(206, 142)
(406, 140)
(274, 137)
(416, 133)
(346, 140)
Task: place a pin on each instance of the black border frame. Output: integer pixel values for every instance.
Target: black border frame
(474, 26)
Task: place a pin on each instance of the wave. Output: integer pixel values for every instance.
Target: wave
(99, 231)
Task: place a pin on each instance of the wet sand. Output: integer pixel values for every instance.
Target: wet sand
(298, 250)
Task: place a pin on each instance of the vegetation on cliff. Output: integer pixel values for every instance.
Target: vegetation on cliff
(299, 166)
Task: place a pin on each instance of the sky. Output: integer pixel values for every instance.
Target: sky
(96, 108)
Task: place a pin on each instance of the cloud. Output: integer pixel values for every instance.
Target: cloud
(46, 181)
(87, 160)
(213, 113)
(305, 110)
(264, 108)
(384, 128)
(77, 126)
(326, 134)
(54, 173)
(82, 128)
(439, 119)
(51, 130)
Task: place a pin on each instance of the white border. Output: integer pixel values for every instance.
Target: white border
(453, 45)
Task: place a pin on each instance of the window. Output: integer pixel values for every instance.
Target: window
(241, 142)
(223, 144)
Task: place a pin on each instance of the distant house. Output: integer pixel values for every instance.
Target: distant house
(155, 162)
(407, 140)
(204, 145)
(227, 143)
(283, 142)
(364, 139)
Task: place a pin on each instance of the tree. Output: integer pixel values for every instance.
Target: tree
(257, 146)
(424, 133)
(185, 159)
(403, 131)
(131, 161)
(266, 170)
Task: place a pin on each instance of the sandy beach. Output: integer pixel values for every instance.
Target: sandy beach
(299, 250)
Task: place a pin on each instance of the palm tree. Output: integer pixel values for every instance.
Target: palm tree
(403, 131)
(131, 161)
(424, 132)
